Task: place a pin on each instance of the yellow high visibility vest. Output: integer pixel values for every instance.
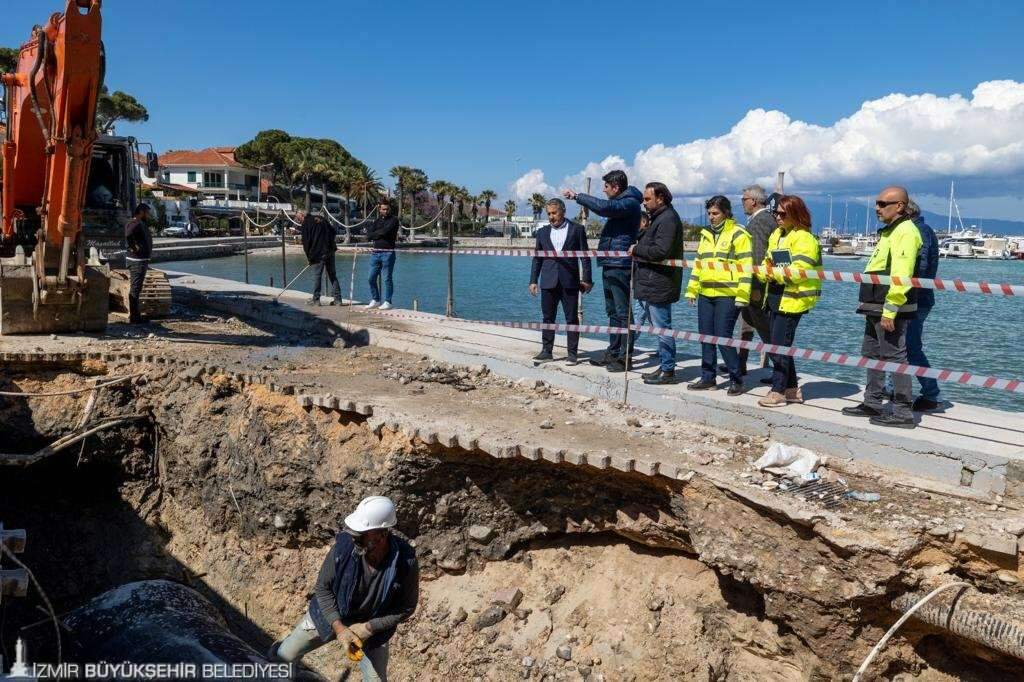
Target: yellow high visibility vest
(800, 294)
(731, 246)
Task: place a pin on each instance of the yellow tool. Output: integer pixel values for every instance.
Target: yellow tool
(355, 650)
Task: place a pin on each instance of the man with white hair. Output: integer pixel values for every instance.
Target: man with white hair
(368, 584)
(760, 225)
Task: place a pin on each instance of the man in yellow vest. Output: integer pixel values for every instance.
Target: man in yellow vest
(887, 308)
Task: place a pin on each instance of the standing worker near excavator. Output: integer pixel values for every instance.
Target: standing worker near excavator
(139, 249)
(368, 584)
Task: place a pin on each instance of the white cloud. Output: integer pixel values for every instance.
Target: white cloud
(530, 182)
(921, 141)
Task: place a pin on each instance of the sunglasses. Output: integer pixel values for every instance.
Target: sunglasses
(883, 204)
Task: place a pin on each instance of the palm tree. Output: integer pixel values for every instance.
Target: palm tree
(306, 165)
(401, 175)
(347, 178)
(474, 202)
(487, 196)
(537, 201)
(415, 183)
(366, 183)
(510, 208)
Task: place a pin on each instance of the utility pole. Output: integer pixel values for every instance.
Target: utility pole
(830, 211)
(449, 309)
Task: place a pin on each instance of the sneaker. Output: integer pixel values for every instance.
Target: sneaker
(773, 399)
(572, 361)
(894, 421)
(861, 410)
(543, 356)
(386, 305)
(615, 365)
(701, 385)
(735, 388)
(922, 404)
(372, 304)
(335, 301)
(794, 395)
(659, 378)
(313, 302)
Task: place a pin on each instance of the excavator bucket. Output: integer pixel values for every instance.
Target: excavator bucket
(24, 310)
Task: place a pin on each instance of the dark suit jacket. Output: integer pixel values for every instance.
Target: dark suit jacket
(550, 272)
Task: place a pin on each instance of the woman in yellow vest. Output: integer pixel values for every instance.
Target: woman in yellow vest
(789, 298)
(720, 289)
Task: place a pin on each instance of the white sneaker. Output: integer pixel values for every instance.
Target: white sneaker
(372, 304)
(386, 306)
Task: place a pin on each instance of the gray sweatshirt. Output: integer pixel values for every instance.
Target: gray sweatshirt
(362, 599)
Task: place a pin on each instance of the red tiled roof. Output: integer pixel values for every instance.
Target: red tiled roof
(185, 189)
(211, 156)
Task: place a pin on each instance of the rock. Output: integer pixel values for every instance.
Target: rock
(939, 531)
(1008, 577)
(703, 458)
(508, 597)
(279, 522)
(491, 616)
(547, 424)
(404, 380)
(481, 534)
(554, 594)
(192, 372)
(528, 661)
(655, 604)
(564, 652)
(770, 485)
(1014, 526)
(634, 422)
(522, 614)
(459, 616)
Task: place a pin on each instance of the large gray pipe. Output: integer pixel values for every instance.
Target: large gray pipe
(993, 620)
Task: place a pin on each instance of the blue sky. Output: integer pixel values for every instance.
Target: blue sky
(464, 89)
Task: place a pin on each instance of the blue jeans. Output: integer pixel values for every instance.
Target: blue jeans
(382, 264)
(660, 315)
(716, 316)
(916, 356)
(304, 638)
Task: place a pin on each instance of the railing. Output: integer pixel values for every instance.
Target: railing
(244, 204)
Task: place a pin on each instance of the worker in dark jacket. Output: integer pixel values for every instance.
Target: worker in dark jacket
(319, 244)
(367, 585)
(138, 251)
(622, 209)
(383, 234)
(760, 225)
(558, 280)
(658, 286)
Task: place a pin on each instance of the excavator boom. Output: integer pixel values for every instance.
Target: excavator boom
(51, 127)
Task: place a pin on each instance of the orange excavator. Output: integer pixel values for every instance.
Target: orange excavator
(58, 175)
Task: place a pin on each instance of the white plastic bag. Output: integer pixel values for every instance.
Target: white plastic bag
(790, 459)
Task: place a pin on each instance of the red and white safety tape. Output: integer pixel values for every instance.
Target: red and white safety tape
(954, 376)
(956, 285)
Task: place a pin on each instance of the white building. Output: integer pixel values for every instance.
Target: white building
(213, 171)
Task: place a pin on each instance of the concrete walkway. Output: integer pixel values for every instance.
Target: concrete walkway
(965, 448)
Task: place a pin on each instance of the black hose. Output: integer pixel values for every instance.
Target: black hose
(41, 43)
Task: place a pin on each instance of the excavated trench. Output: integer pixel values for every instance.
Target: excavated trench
(236, 492)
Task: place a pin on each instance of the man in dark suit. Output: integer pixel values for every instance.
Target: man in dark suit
(558, 279)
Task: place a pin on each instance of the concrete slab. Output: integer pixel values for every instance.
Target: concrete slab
(966, 447)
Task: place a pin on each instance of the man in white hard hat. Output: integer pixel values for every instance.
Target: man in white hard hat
(368, 584)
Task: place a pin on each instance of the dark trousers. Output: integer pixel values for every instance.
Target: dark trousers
(549, 300)
(783, 331)
(327, 265)
(889, 347)
(915, 353)
(716, 316)
(615, 282)
(758, 318)
(137, 276)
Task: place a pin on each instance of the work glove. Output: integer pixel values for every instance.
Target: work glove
(361, 630)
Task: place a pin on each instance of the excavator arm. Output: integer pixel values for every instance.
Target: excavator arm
(47, 147)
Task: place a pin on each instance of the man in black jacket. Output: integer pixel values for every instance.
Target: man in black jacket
(383, 233)
(319, 244)
(139, 249)
(558, 279)
(760, 224)
(657, 286)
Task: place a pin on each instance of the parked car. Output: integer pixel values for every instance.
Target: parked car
(488, 232)
(181, 228)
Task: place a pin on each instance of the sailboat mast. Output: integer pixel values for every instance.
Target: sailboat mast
(949, 223)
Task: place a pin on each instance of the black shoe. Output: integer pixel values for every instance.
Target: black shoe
(572, 361)
(615, 365)
(543, 356)
(767, 381)
(313, 302)
(894, 421)
(701, 385)
(600, 360)
(135, 320)
(922, 404)
(659, 378)
(736, 388)
(861, 410)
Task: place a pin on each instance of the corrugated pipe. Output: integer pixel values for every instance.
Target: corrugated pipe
(996, 621)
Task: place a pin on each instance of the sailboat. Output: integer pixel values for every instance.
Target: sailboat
(958, 244)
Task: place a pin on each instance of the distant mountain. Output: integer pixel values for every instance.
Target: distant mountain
(938, 221)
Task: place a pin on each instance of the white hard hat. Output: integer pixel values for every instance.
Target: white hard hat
(372, 513)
